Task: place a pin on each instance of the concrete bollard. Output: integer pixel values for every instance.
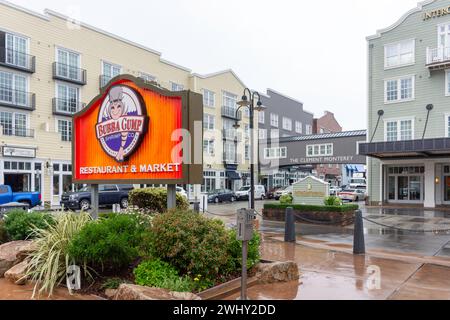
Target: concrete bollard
(359, 246)
(289, 230)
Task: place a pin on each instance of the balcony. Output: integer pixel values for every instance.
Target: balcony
(69, 73)
(17, 132)
(17, 60)
(64, 107)
(17, 99)
(229, 112)
(231, 135)
(438, 58)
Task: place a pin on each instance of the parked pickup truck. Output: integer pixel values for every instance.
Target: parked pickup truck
(108, 195)
(33, 199)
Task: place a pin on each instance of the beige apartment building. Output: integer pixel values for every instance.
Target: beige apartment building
(50, 67)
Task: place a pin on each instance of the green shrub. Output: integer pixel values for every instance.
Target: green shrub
(111, 243)
(112, 283)
(159, 274)
(190, 242)
(19, 224)
(286, 199)
(48, 264)
(311, 208)
(154, 200)
(3, 233)
(332, 201)
(235, 252)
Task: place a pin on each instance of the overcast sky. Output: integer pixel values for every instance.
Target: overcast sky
(314, 52)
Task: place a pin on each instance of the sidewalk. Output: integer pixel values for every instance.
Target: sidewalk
(333, 275)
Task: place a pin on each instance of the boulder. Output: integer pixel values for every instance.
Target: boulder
(13, 253)
(268, 273)
(17, 273)
(134, 292)
(110, 293)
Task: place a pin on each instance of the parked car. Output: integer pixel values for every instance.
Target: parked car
(271, 193)
(352, 195)
(221, 195)
(283, 192)
(244, 193)
(182, 192)
(32, 199)
(335, 190)
(108, 195)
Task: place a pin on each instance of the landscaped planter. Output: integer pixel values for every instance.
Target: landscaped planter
(332, 215)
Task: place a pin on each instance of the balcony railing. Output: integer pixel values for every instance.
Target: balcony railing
(17, 99)
(67, 107)
(231, 135)
(230, 112)
(17, 60)
(17, 132)
(69, 73)
(438, 56)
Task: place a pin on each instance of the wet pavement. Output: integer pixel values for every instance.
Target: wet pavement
(330, 275)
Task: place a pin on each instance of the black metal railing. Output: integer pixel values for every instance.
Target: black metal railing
(17, 60)
(66, 72)
(231, 135)
(17, 98)
(18, 132)
(231, 113)
(67, 107)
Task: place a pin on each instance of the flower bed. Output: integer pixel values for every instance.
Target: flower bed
(334, 215)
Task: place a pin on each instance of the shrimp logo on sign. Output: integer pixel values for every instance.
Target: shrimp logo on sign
(122, 122)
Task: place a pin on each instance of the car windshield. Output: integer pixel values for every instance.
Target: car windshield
(244, 189)
(85, 189)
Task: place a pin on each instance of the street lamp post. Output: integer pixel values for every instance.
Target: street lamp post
(250, 104)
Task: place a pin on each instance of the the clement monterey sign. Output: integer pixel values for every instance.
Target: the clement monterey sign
(134, 132)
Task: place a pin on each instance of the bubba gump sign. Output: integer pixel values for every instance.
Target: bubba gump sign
(128, 134)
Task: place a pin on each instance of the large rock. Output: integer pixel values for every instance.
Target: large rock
(277, 272)
(13, 253)
(17, 273)
(134, 292)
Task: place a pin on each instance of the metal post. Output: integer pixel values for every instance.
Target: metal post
(94, 201)
(289, 230)
(171, 196)
(359, 246)
(244, 271)
(252, 156)
(196, 205)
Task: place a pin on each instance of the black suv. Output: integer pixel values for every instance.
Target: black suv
(108, 195)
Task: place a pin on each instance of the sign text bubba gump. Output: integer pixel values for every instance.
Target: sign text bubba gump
(133, 128)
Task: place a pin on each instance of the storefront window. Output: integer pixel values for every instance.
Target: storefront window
(415, 188)
(56, 185)
(391, 188)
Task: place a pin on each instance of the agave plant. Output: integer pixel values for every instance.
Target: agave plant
(48, 264)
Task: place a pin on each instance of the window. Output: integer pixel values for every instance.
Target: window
(447, 126)
(247, 152)
(13, 88)
(14, 124)
(262, 134)
(208, 147)
(176, 87)
(398, 90)
(399, 54)
(147, 77)
(275, 153)
(447, 83)
(65, 129)
(229, 100)
(298, 127)
(308, 129)
(287, 124)
(274, 120)
(230, 152)
(319, 150)
(399, 130)
(209, 122)
(67, 98)
(209, 99)
(247, 131)
(261, 117)
(110, 70)
(16, 50)
(209, 181)
(68, 65)
(274, 134)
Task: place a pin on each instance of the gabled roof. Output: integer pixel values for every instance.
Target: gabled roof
(419, 8)
(344, 134)
(219, 73)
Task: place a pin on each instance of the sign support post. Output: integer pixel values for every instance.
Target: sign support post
(94, 201)
(171, 196)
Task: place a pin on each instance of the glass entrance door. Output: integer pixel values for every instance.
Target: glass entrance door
(405, 184)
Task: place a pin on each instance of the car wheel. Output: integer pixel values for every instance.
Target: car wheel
(85, 204)
(233, 199)
(216, 200)
(263, 197)
(124, 203)
(357, 199)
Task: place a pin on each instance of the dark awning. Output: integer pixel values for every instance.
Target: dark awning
(233, 175)
(427, 148)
